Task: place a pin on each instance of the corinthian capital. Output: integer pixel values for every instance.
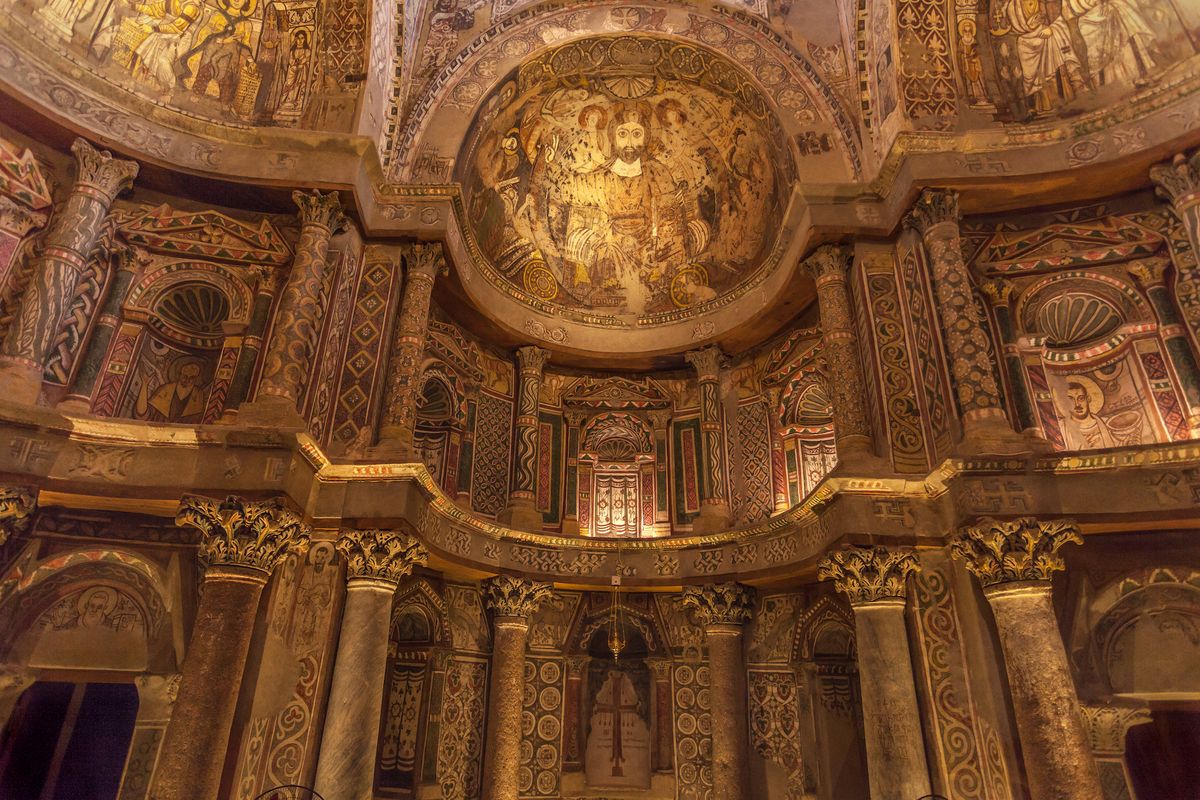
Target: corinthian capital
(1023, 549)
(828, 260)
(425, 259)
(706, 361)
(238, 532)
(1178, 178)
(513, 597)
(381, 555)
(16, 510)
(1106, 725)
(324, 210)
(868, 574)
(933, 207)
(98, 169)
(532, 359)
(721, 603)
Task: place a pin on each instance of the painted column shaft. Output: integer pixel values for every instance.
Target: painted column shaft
(730, 737)
(506, 689)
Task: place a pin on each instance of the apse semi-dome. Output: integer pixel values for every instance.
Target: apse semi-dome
(625, 181)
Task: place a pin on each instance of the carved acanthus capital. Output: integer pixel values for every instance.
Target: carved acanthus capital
(706, 361)
(998, 292)
(721, 603)
(99, 170)
(1006, 551)
(532, 359)
(1177, 179)
(1149, 272)
(933, 207)
(425, 259)
(828, 260)
(381, 555)
(17, 504)
(507, 596)
(324, 210)
(660, 419)
(239, 532)
(575, 418)
(1106, 726)
(869, 574)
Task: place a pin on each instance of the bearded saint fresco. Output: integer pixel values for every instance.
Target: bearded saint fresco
(584, 199)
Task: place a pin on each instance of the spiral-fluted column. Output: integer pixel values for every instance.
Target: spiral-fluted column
(935, 216)
(1014, 561)
(512, 602)
(375, 563)
(714, 495)
(874, 579)
(424, 263)
(724, 609)
(297, 329)
(241, 543)
(73, 231)
(522, 510)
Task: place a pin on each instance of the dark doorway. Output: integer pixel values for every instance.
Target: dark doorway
(67, 741)
(1162, 756)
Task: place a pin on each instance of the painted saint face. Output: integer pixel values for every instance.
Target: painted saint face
(189, 374)
(630, 141)
(1081, 405)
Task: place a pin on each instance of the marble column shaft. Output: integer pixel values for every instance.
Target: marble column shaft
(425, 262)
(874, 578)
(297, 321)
(376, 561)
(67, 243)
(847, 386)
(707, 363)
(1014, 561)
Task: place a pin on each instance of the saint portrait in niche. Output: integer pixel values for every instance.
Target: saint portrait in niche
(618, 736)
(181, 398)
(1102, 408)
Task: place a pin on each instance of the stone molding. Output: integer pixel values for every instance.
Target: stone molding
(99, 170)
(707, 361)
(721, 603)
(1178, 178)
(17, 504)
(380, 554)
(239, 533)
(869, 574)
(1106, 725)
(828, 260)
(1019, 550)
(507, 596)
(324, 210)
(932, 208)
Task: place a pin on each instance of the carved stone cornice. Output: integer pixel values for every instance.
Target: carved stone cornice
(933, 207)
(869, 574)
(17, 504)
(828, 260)
(380, 555)
(507, 596)
(100, 171)
(425, 259)
(532, 358)
(1177, 179)
(707, 361)
(242, 533)
(1106, 726)
(1007, 551)
(721, 603)
(324, 210)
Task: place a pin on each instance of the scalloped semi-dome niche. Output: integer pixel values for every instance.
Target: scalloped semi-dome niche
(1074, 318)
(626, 177)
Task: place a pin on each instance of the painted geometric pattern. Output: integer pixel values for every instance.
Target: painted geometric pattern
(541, 728)
(493, 434)
(927, 349)
(693, 732)
(460, 746)
(209, 234)
(21, 178)
(754, 502)
(1164, 395)
(775, 723)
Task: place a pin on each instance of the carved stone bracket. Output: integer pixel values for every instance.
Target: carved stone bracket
(238, 532)
(507, 596)
(721, 603)
(17, 504)
(1024, 549)
(869, 574)
(380, 555)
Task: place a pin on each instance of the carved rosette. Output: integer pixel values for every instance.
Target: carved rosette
(1024, 549)
(17, 504)
(507, 596)
(380, 555)
(1179, 180)
(869, 574)
(98, 171)
(238, 532)
(320, 210)
(721, 603)
(934, 207)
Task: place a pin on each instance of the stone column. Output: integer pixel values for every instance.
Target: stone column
(848, 388)
(512, 602)
(425, 262)
(297, 326)
(661, 422)
(874, 579)
(1014, 561)
(714, 499)
(522, 510)
(17, 504)
(663, 749)
(74, 229)
(999, 296)
(1151, 274)
(466, 454)
(1106, 727)
(779, 477)
(570, 525)
(241, 543)
(985, 427)
(724, 609)
(252, 342)
(375, 563)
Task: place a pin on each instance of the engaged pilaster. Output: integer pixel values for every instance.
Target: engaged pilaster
(376, 561)
(714, 495)
(1014, 561)
(522, 510)
(875, 580)
(724, 609)
(512, 602)
(241, 543)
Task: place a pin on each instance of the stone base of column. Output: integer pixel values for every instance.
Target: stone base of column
(713, 518)
(990, 434)
(861, 461)
(463, 500)
(271, 411)
(391, 451)
(21, 380)
(521, 515)
(570, 526)
(74, 404)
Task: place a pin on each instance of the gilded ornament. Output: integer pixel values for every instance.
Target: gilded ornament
(382, 555)
(507, 596)
(933, 207)
(1004, 551)
(239, 532)
(1179, 178)
(868, 574)
(721, 603)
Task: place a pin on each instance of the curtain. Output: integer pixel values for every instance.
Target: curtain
(616, 502)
